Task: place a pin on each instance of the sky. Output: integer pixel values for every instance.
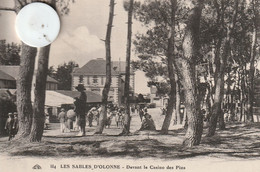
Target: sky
(81, 34)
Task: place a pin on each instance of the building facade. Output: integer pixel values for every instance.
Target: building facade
(93, 76)
(9, 75)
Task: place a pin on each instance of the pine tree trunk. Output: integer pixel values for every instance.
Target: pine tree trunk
(232, 107)
(242, 94)
(126, 127)
(40, 93)
(105, 92)
(219, 84)
(251, 75)
(40, 90)
(170, 57)
(222, 125)
(186, 72)
(178, 101)
(169, 111)
(24, 86)
(218, 97)
(221, 64)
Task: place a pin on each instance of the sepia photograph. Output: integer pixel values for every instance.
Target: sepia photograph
(130, 85)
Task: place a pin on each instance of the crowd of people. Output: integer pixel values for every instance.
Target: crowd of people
(75, 119)
(70, 121)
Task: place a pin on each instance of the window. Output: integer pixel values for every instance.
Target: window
(95, 79)
(96, 90)
(81, 79)
(88, 80)
(102, 80)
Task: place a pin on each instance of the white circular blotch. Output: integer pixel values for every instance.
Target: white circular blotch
(37, 24)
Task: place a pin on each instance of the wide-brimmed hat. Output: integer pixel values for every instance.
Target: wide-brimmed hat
(80, 87)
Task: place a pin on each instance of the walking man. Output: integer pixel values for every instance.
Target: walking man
(81, 109)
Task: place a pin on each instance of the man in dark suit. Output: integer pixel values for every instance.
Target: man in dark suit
(80, 109)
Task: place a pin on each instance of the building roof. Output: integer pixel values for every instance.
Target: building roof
(98, 67)
(10, 70)
(13, 71)
(50, 79)
(5, 76)
(91, 97)
(55, 99)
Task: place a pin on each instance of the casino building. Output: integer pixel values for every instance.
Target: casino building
(93, 76)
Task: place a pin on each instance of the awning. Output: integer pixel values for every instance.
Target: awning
(56, 99)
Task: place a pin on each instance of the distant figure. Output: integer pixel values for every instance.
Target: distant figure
(119, 118)
(63, 118)
(9, 126)
(163, 111)
(47, 119)
(109, 118)
(148, 123)
(133, 109)
(71, 115)
(75, 125)
(137, 107)
(81, 109)
(91, 115)
(97, 114)
(141, 113)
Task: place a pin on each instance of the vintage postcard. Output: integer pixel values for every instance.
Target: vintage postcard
(130, 85)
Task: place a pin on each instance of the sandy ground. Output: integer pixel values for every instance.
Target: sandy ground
(235, 149)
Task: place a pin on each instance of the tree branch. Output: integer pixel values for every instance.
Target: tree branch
(20, 3)
(7, 9)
